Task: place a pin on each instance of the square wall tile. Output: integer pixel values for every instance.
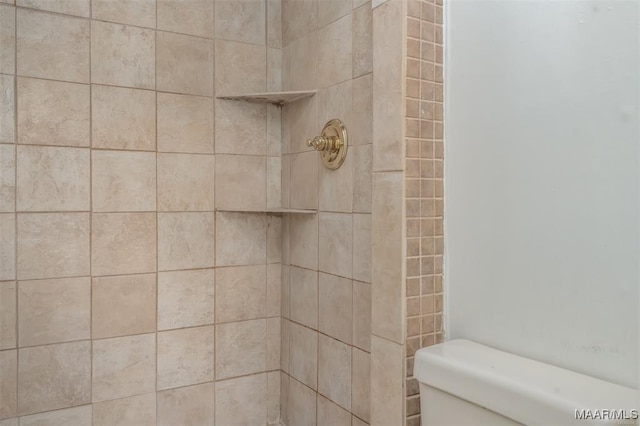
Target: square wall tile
(297, 72)
(123, 181)
(8, 383)
(336, 307)
(133, 12)
(186, 182)
(185, 357)
(274, 386)
(360, 131)
(274, 239)
(123, 305)
(303, 291)
(299, 17)
(273, 344)
(8, 246)
(123, 366)
(185, 298)
(123, 243)
(336, 187)
(185, 241)
(360, 383)
(274, 290)
(241, 20)
(191, 405)
(52, 179)
(67, 7)
(52, 245)
(185, 123)
(123, 55)
(184, 64)
(331, 10)
(362, 178)
(7, 106)
(241, 182)
(362, 40)
(334, 45)
(54, 311)
(50, 46)
(362, 315)
(330, 414)
(304, 241)
(241, 293)
(241, 401)
(135, 410)
(54, 376)
(387, 386)
(240, 348)
(240, 128)
(53, 113)
(362, 247)
(194, 17)
(334, 371)
(7, 178)
(240, 67)
(123, 118)
(80, 416)
(301, 404)
(7, 40)
(336, 243)
(7, 315)
(274, 23)
(305, 180)
(303, 355)
(241, 239)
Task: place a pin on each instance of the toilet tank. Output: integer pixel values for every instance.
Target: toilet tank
(465, 383)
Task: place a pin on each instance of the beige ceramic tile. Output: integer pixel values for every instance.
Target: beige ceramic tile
(240, 68)
(123, 366)
(334, 371)
(361, 128)
(304, 296)
(52, 179)
(335, 102)
(184, 64)
(122, 55)
(336, 243)
(7, 106)
(134, 12)
(304, 241)
(241, 182)
(242, 401)
(360, 383)
(123, 305)
(274, 186)
(274, 129)
(80, 416)
(362, 40)
(303, 355)
(51, 46)
(53, 113)
(241, 20)
(185, 298)
(185, 241)
(193, 17)
(8, 383)
(330, 414)
(274, 337)
(336, 187)
(305, 178)
(301, 404)
(123, 118)
(273, 395)
(7, 315)
(7, 40)
(186, 182)
(240, 348)
(123, 181)
(362, 247)
(335, 296)
(362, 315)
(123, 243)
(274, 289)
(54, 376)
(185, 357)
(241, 293)
(185, 123)
(189, 406)
(67, 7)
(332, 10)
(285, 333)
(274, 239)
(135, 410)
(7, 178)
(387, 250)
(240, 128)
(387, 85)
(299, 123)
(240, 239)
(8, 246)
(387, 394)
(362, 178)
(9, 422)
(334, 45)
(299, 17)
(54, 311)
(52, 245)
(274, 23)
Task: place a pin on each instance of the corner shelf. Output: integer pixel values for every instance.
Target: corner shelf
(275, 98)
(269, 211)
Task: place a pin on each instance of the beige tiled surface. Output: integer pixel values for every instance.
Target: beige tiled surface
(80, 415)
(184, 64)
(185, 357)
(138, 410)
(191, 405)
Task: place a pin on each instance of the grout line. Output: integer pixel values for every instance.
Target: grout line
(15, 205)
(91, 351)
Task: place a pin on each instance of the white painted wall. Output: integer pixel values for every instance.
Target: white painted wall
(542, 181)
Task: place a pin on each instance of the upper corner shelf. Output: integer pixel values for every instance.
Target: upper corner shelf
(269, 211)
(276, 98)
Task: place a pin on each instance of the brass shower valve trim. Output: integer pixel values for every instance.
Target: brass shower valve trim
(332, 144)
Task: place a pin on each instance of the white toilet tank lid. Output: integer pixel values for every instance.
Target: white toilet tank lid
(527, 391)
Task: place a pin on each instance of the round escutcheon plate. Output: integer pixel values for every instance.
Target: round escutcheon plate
(335, 129)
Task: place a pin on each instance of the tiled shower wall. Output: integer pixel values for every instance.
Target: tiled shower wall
(326, 327)
(125, 298)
